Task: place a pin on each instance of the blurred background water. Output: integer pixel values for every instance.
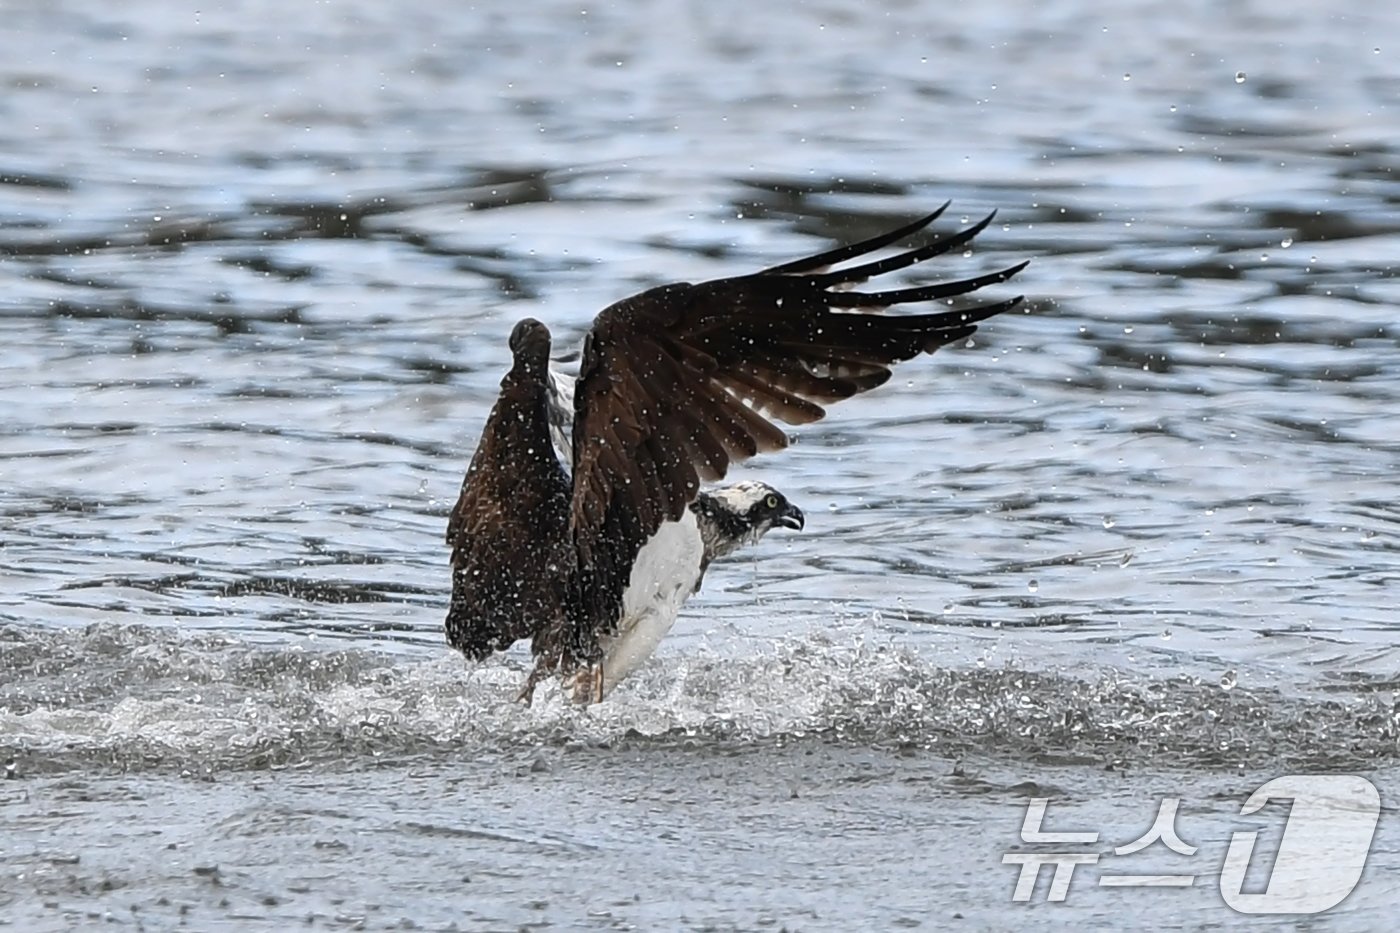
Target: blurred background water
(259, 264)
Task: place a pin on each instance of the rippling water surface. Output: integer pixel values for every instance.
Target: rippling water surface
(259, 264)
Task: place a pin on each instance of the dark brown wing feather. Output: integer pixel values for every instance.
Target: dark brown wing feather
(681, 381)
(511, 559)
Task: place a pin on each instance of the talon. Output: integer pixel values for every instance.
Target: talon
(586, 686)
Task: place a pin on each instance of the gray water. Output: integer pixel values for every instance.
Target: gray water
(259, 263)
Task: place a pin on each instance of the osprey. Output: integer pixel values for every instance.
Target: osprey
(591, 556)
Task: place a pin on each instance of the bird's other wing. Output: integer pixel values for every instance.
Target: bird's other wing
(678, 382)
(509, 529)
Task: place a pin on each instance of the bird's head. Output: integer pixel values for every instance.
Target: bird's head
(749, 510)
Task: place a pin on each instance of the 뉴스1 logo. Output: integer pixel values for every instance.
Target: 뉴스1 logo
(1318, 863)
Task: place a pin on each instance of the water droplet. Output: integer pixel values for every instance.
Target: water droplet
(1166, 634)
(1285, 242)
(1128, 330)
(1033, 585)
(1109, 521)
(1228, 680)
(1127, 76)
(1172, 108)
(1239, 77)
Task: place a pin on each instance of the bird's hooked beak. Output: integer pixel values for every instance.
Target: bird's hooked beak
(792, 517)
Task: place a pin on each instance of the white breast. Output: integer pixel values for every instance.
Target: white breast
(665, 574)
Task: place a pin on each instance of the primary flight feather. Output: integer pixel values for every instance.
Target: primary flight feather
(591, 556)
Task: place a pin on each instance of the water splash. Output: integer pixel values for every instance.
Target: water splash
(145, 698)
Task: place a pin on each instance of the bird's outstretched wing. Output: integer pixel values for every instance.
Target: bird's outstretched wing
(678, 382)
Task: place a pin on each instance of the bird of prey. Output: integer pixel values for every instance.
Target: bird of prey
(581, 523)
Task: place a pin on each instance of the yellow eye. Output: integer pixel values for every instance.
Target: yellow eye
(771, 502)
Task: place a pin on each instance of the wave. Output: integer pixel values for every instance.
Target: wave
(142, 698)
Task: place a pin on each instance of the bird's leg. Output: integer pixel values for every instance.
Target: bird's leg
(527, 693)
(583, 664)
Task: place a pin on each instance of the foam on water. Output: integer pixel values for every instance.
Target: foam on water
(147, 698)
